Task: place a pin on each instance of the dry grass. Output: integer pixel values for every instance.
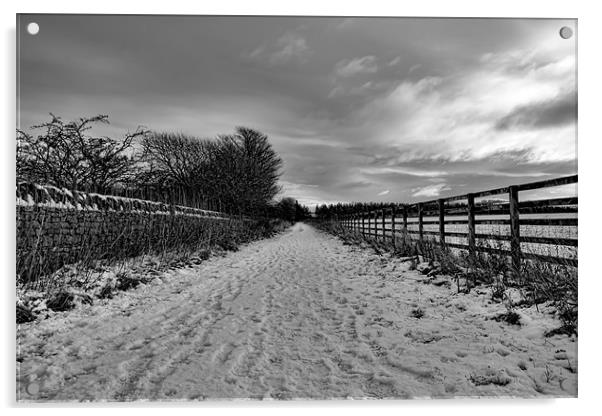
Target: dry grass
(127, 267)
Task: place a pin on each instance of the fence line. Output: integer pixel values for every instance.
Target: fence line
(443, 208)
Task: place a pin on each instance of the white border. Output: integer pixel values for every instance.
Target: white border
(589, 169)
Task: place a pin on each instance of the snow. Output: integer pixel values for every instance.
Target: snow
(92, 206)
(67, 202)
(297, 316)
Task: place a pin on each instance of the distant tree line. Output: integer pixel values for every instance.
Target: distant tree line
(332, 211)
(289, 209)
(236, 173)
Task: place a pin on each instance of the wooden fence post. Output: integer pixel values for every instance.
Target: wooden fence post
(405, 223)
(393, 227)
(442, 221)
(514, 230)
(383, 224)
(472, 246)
(375, 225)
(420, 224)
(363, 214)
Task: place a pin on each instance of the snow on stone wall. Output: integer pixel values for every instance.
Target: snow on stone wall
(56, 227)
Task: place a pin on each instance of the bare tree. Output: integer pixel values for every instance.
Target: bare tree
(65, 155)
(238, 173)
(246, 169)
(174, 160)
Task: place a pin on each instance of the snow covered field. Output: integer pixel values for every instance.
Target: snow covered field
(297, 316)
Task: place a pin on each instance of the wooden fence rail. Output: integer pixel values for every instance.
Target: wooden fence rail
(444, 213)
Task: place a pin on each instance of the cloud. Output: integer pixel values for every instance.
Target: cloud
(474, 113)
(357, 90)
(394, 61)
(385, 192)
(431, 190)
(420, 172)
(336, 91)
(414, 68)
(451, 110)
(363, 65)
(356, 184)
(559, 111)
(345, 23)
(290, 47)
(305, 194)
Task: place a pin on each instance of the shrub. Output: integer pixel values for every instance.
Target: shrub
(509, 317)
(24, 314)
(67, 156)
(417, 313)
(61, 301)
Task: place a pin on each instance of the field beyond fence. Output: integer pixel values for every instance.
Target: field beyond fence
(512, 224)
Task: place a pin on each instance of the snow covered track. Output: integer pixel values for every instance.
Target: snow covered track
(297, 316)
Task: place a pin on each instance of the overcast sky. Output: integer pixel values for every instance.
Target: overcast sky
(380, 109)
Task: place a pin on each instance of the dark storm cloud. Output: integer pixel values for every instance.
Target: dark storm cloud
(558, 112)
(362, 108)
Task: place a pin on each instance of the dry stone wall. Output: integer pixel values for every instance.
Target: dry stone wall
(57, 226)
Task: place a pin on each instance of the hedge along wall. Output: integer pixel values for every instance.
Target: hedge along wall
(57, 227)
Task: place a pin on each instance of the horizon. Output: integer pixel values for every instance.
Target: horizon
(360, 109)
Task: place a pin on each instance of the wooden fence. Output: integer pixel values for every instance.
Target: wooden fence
(435, 219)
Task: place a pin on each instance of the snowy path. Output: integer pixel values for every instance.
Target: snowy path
(297, 316)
